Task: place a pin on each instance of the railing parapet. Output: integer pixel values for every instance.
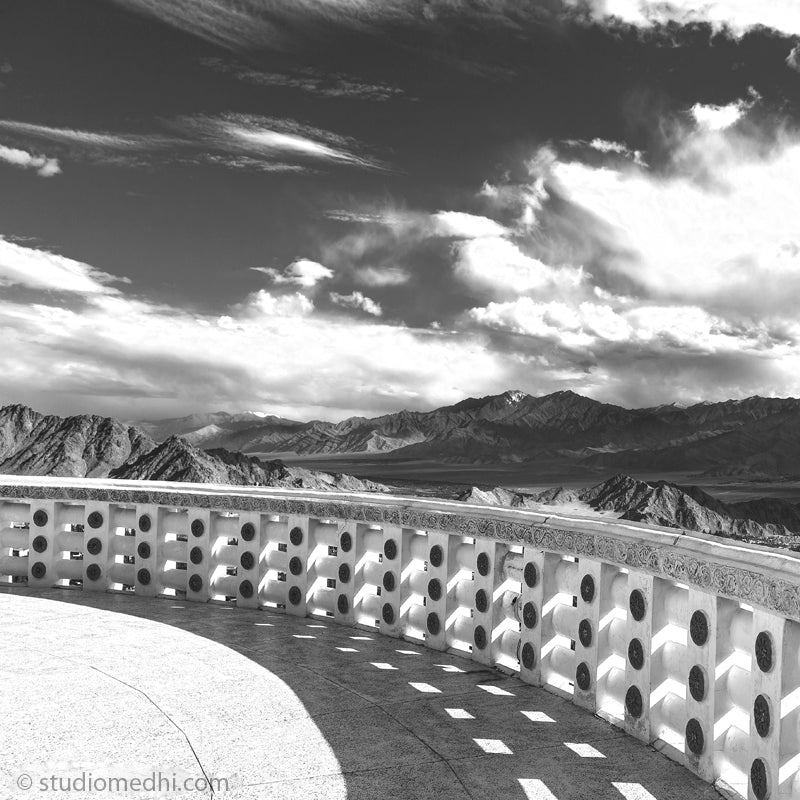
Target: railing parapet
(681, 639)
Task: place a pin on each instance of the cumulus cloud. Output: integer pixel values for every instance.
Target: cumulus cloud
(41, 269)
(45, 167)
(718, 118)
(123, 354)
(263, 303)
(302, 272)
(357, 300)
(498, 265)
(733, 16)
(723, 226)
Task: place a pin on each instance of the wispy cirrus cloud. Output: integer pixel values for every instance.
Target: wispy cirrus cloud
(279, 139)
(277, 24)
(45, 167)
(236, 141)
(323, 84)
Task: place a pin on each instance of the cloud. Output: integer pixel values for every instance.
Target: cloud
(308, 80)
(302, 272)
(721, 226)
(460, 225)
(128, 355)
(357, 300)
(387, 276)
(273, 138)
(41, 269)
(264, 304)
(793, 59)
(235, 141)
(498, 265)
(735, 17)
(718, 118)
(45, 167)
(92, 139)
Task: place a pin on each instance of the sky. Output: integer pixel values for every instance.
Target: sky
(320, 208)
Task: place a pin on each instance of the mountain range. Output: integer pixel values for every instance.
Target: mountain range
(756, 433)
(96, 447)
(564, 431)
(765, 521)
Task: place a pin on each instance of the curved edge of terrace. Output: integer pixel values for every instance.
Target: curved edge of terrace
(682, 640)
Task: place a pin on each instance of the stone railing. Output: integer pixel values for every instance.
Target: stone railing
(685, 641)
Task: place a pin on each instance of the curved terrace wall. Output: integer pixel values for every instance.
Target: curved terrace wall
(683, 640)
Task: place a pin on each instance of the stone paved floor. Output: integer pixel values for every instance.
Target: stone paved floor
(103, 686)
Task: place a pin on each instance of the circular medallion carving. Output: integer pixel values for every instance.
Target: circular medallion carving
(433, 624)
(346, 542)
(295, 595)
(143, 550)
(343, 604)
(144, 523)
(764, 651)
(637, 605)
(95, 519)
(483, 564)
(390, 549)
(344, 573)
(436, 556)
(528, 656)
(633, 702)
(587, 588)
(388, 613)
(761, 715)
(435, 589)
(481, 601)
(758, 779)
(248, 532)
(246, 589)
(389, 581)
(530, 575)
(636, 653)
(39, 570)
(295, 565)
(529, 615)
(296, 537)
(39, 544)
(143, 576)
(93, 572)
(583, 676)
(247, 560)
(697, 683)
(94, 546)
(479, 636)
(40, 518)
(198, 528)
(585, 632)
(196, 583)
(695, 739)
(698, 628)
(196, 555)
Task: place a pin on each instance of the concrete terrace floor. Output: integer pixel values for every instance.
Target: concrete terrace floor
(287, 708)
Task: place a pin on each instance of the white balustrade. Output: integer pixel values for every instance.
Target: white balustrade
(688, 642)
